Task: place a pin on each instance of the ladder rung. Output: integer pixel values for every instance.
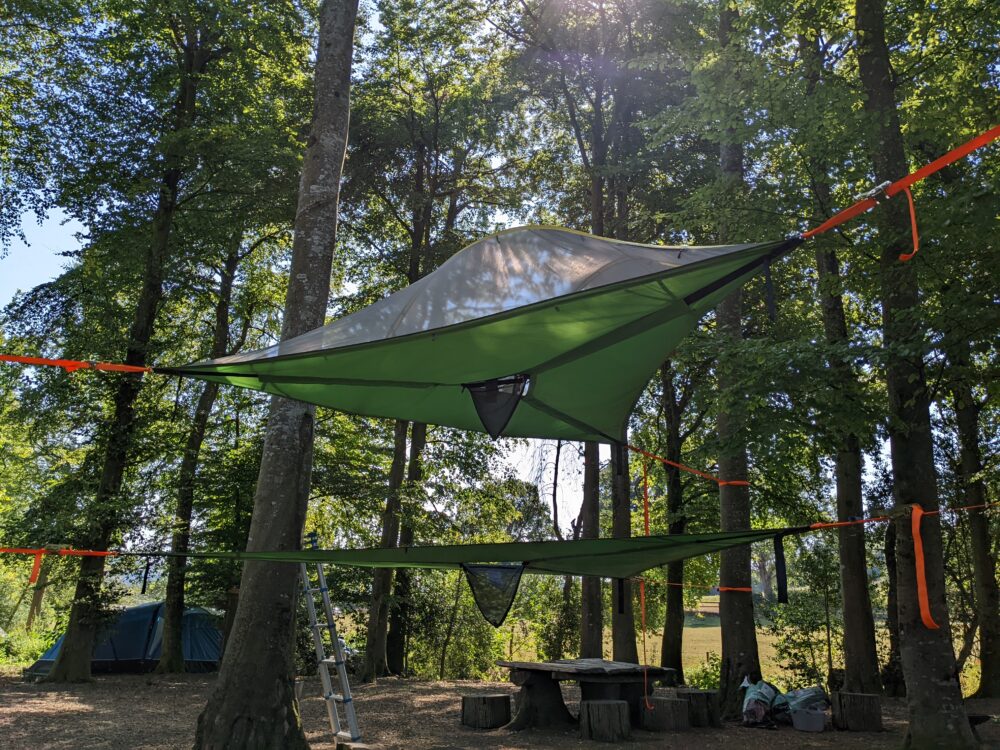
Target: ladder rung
(320, 590)
(332, 662)
(347, 737)
(337, 698)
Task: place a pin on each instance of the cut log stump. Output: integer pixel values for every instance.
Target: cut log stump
(703, 706)
(485, 711)
(666, 715)
(857, 712)
(604, 721)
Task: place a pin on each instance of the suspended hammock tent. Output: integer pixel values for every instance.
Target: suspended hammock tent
(532, 332)
(494, 570)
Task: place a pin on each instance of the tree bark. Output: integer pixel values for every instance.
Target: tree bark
(739, 636)
(934, 697)
(673, 628)
(861, 669)
(591, 614)
(172, 652)
(974, 493)
(252, 704)
(399, 616)
(376, 664)
(73, 662)
(622, 613)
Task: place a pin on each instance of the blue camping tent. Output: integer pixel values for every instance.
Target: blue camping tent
(133, 642)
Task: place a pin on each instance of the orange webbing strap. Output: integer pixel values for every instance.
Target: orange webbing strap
(696, 472)
(744, 589)
(72, 365)
(913, 227)
(41, 552)
(916, 515)
(903, 185)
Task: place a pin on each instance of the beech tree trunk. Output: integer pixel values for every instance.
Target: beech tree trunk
(399, 616)
(622, 613)
(673, 628)
(739, 636)
(172, 652)
(252, 704)
(861, 669)
(73, 662)
(375, 664)
(974, 493)
(591, 614)
(934, 697)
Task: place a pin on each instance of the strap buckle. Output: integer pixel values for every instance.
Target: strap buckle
(876, 194)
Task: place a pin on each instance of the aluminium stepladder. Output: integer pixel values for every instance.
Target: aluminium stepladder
(323, 663)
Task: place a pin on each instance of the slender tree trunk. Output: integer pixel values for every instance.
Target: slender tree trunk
(36, 597)
(375, 664)
(399, 616)
(73, 662)
(622, 613)
(450, 631)
(172, 653)
(934, 697)
(252, 704)
(591, 615)
(860, 654)
(974, 493)
(673, 628)
(740, 658)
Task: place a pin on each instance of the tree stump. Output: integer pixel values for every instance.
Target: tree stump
(703, 706)
(604, 721)
(485, 711)
(539, 702)
(666, 715)
(857, 712)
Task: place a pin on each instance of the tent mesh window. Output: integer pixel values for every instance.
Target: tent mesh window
(495, 401)
(494, 588)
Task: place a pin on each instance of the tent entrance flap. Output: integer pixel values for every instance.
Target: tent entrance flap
(494, 588)
(495, 401)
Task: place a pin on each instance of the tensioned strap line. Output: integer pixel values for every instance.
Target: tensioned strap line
(871, 199)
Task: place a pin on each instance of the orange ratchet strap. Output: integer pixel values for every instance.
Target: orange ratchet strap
(871, 199)
(696, 472)
(72, 365)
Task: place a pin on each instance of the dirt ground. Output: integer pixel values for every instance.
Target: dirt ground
(140, 712)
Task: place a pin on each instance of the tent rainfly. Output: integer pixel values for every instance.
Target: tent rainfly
(531, 332)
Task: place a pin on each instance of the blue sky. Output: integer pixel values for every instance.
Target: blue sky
(27, 265)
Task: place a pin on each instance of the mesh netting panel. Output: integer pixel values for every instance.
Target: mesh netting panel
(494, 588)
(496, 400)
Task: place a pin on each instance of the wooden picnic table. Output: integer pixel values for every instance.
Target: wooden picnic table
(539, 703)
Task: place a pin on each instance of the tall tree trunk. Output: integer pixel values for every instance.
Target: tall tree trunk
(73, 662)
(974, 493)
(622, 613)
(252, 704)
(740, 658)
(673, 628)
(892, 671)
(934, 697)
(591, 613)
(860, 655)
(172, 652)
(399, 616)
(375, 664)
